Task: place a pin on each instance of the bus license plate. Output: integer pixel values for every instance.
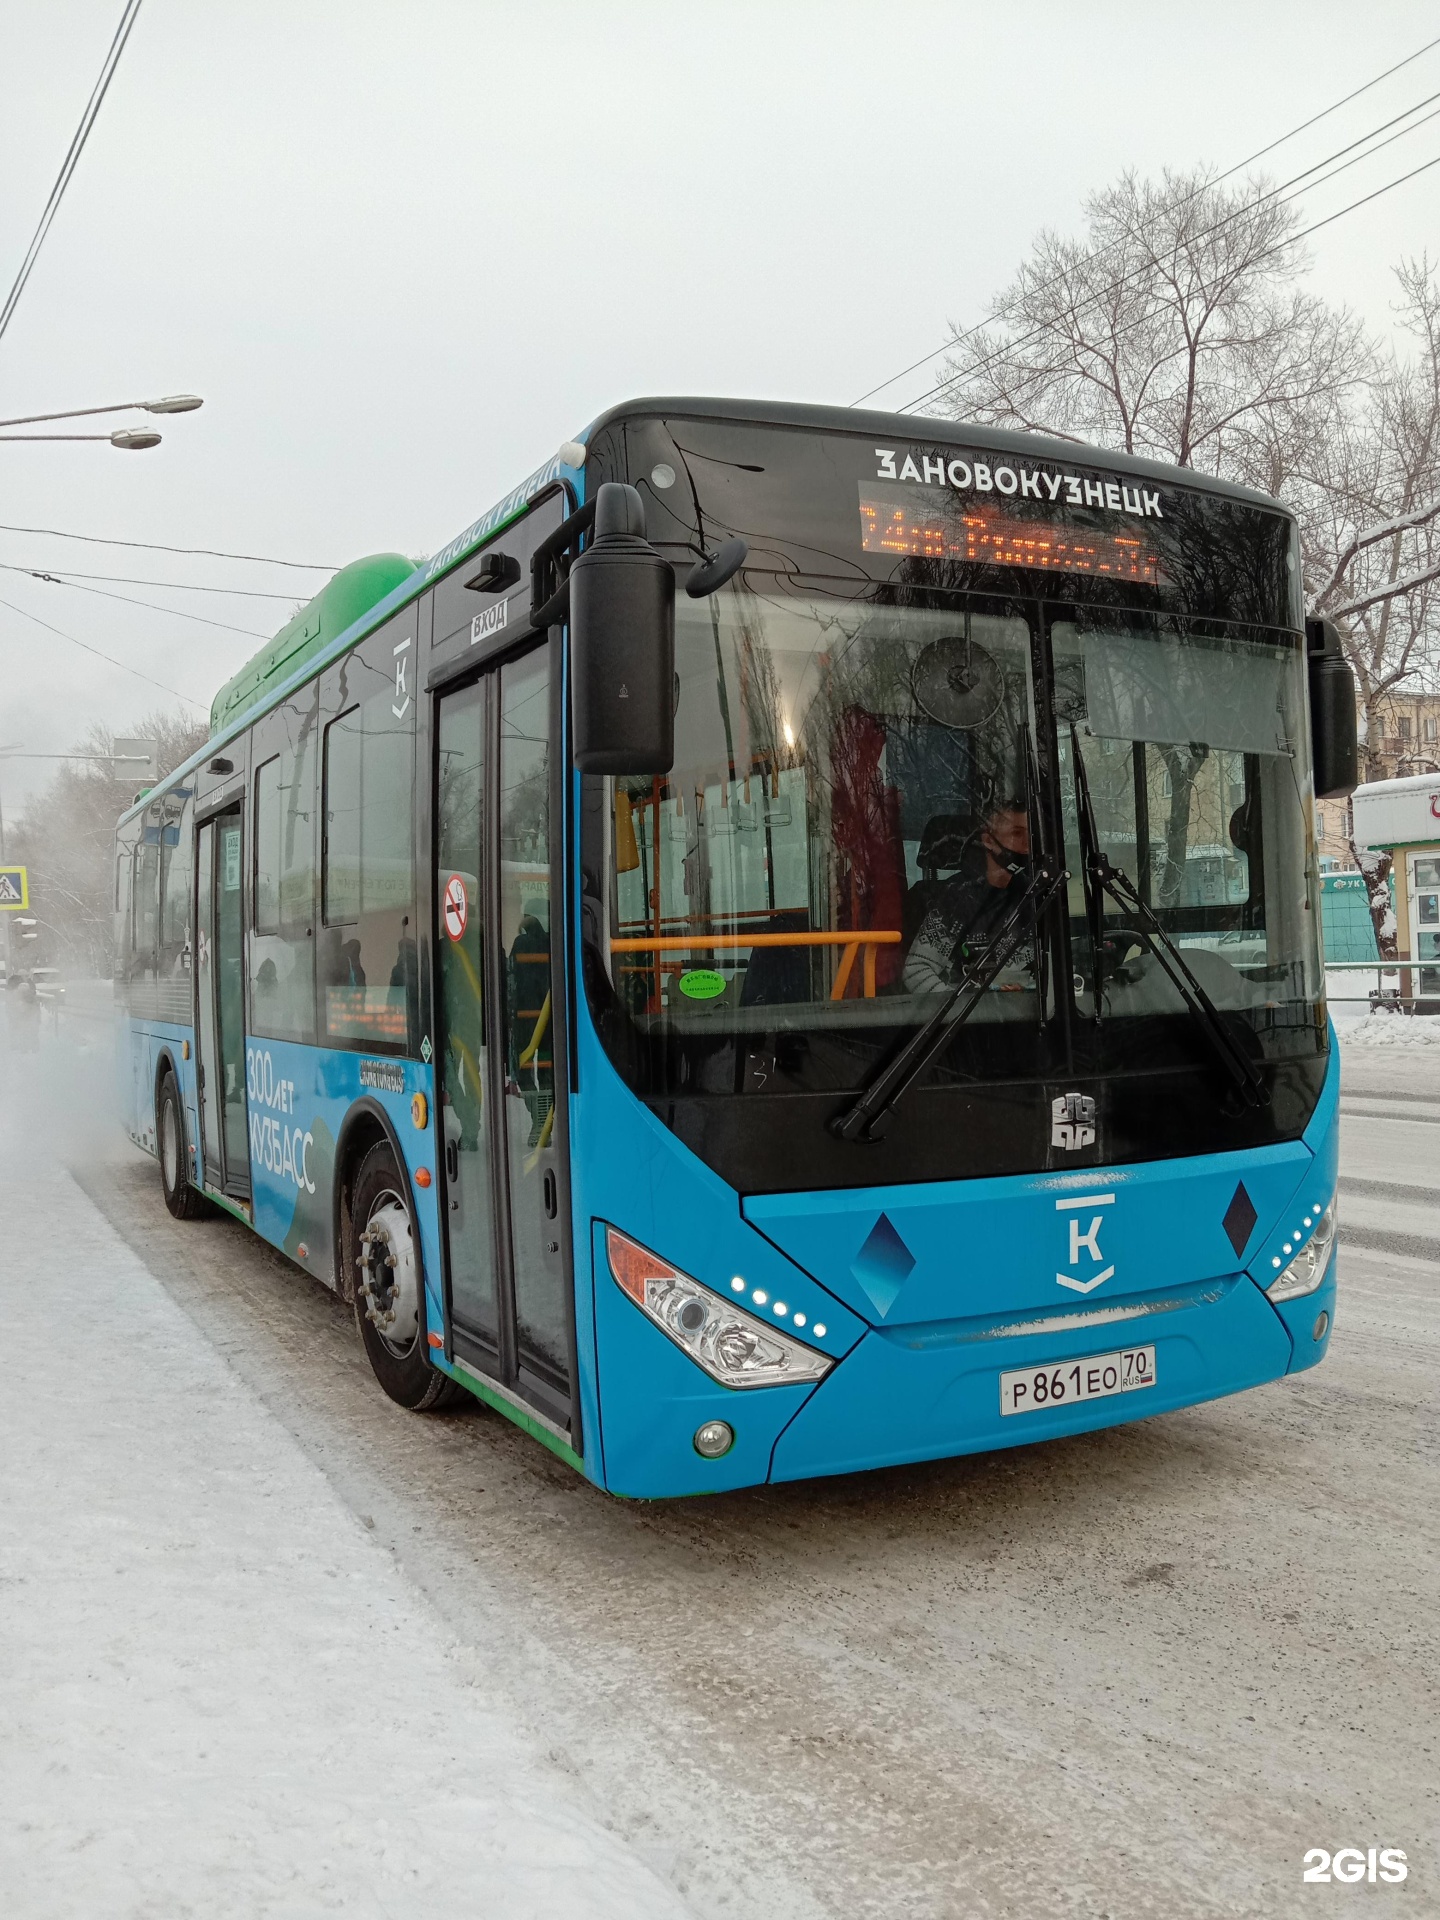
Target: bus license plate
(1094, 1378)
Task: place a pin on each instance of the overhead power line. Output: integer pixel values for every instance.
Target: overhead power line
(151, 546)
(1120, 332)
(1118, 285)
(109, 658)
(1317, 169)
(1335, 107)
(70, 162)
(1239, 165)
(153, 606)
(65, 575)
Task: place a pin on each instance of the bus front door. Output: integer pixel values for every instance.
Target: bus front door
(220, 1005)
(510, 1309)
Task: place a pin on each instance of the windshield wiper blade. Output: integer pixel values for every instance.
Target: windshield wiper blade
(1103, 876)
(1094, 895)
(869, 1117)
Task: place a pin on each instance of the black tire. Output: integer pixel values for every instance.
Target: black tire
(378, 1200)
(184, 1201)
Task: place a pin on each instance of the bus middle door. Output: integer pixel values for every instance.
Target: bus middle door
(220, 1003)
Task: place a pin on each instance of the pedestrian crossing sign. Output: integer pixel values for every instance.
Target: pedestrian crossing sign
(14, 889)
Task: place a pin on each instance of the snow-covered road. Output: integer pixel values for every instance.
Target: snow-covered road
(249, 1612)
(219, 1696)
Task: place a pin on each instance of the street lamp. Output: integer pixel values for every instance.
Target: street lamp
(132, 439)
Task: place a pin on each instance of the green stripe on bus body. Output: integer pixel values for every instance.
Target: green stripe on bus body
(230, 1206)
(535, 1428)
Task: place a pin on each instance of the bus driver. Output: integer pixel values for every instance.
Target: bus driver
(967, 908)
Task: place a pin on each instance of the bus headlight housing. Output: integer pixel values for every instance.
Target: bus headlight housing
(1307, 1269)
(733, 1346)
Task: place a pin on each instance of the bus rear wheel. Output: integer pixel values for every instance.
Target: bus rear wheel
(390, 1288)
(184, 1201)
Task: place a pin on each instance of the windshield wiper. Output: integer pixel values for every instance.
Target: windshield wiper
(1102, 876)
(868, 1117)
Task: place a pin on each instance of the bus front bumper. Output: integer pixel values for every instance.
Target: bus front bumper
(923, 1393)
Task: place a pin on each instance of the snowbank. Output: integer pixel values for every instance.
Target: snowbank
(1393, 1030)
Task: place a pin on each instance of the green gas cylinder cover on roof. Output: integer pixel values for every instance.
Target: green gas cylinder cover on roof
(338, 605)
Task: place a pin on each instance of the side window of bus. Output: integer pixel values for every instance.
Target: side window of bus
(282, 941)
(177, 874)
(369, 973)
(265, 896)
(124, 889)
(147, 903)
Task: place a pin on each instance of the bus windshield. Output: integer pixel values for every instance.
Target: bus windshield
(848, 808)
(847, 812)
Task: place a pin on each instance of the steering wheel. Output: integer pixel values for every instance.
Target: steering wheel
(1116, 948)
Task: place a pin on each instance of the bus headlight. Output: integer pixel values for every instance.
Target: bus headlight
(1307, 1269)
(733, 1346)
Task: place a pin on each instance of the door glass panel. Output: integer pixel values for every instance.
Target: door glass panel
(210, 1080)
(525, 1030)
(459, 942)
(230, 997)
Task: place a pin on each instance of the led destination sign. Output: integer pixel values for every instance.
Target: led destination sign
(935, 526)
(1029, 483)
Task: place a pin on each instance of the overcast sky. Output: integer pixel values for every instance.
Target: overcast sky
(403, 250)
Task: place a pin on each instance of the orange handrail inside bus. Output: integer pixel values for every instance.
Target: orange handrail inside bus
(852, 941)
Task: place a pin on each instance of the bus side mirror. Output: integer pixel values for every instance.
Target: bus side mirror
(622, 643)
(1333, 747)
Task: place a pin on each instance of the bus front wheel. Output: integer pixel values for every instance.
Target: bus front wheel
(390, 1289)
(184, 1201)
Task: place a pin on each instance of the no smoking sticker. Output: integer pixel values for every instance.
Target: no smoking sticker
(457, 907)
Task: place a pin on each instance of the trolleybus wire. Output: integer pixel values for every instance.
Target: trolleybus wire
(65, 575)
(152, 546)
(124, 667)
(1280, 246)
(70, 162)
(129, 600)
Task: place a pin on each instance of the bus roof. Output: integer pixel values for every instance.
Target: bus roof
(348, 595)
(365, 593)
(926, 429)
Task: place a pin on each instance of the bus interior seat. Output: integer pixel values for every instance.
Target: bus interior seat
(949, 845)
(777, 976)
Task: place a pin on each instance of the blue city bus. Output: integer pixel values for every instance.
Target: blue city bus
(791, 945)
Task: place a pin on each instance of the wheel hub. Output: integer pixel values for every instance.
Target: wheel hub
(389, 1288)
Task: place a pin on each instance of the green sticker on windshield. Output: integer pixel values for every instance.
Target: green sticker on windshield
(702, 984)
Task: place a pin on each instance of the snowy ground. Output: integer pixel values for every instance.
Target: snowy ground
(272, 1648)
(219, 1697)
(1348, 997)
(1394, 1030)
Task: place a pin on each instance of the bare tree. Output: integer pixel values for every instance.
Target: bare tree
(1175, 330)
(1372, 549)
(66, 836)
